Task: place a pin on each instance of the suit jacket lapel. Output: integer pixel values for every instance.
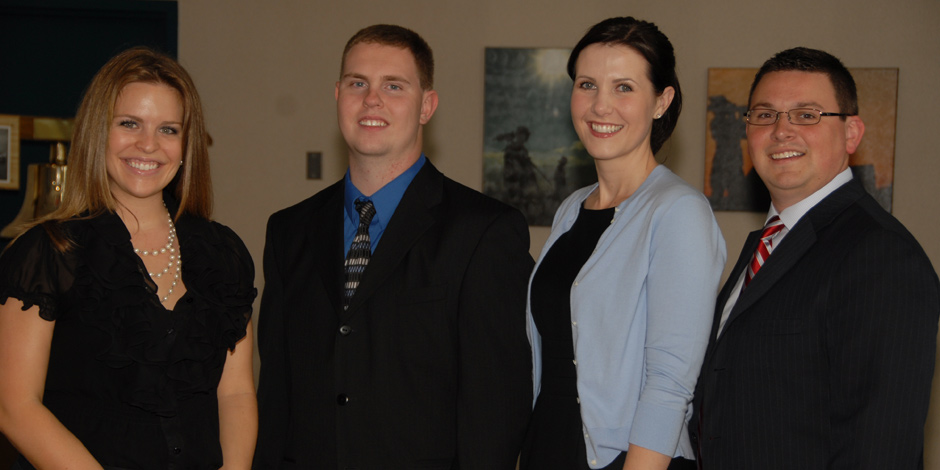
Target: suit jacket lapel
(791, 249)
(797, 242)
(322, 227)
(412, 218)
(743, 259)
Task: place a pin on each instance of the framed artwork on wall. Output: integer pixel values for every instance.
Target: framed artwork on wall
(532, 158)
(730, 182)
(9, 152)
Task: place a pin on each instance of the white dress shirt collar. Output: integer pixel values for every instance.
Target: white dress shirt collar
(791, 215)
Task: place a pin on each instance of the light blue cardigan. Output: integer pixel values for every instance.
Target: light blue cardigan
(641, 311)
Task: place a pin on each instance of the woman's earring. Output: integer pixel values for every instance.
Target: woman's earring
(657, 116)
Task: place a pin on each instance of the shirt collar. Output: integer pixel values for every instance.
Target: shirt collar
(791, 215)
(386, 199)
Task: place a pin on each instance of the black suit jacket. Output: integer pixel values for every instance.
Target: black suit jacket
(430, 366)
(826, 359)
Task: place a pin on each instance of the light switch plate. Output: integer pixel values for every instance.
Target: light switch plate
(314, 165)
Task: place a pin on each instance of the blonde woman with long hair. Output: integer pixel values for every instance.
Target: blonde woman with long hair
(125, 339)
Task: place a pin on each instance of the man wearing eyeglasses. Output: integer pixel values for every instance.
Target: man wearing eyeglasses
(823, 345)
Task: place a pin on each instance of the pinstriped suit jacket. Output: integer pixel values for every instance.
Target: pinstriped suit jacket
(827, 358)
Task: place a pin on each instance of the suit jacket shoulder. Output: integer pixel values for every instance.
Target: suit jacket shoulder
(310, 206)
(850, 216)
(458, 197)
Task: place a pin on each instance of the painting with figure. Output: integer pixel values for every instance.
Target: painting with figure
(532, 158)
(730, 182)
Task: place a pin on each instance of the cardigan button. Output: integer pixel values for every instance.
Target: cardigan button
(345, 330)
(342, 399)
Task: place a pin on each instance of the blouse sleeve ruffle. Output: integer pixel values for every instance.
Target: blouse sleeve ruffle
(33, 271)
(225, 277)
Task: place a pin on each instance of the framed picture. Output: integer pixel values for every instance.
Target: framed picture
(532, 158)
(730, 182)
(9, 152)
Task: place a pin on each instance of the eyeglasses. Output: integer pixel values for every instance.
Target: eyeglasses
(796, 116)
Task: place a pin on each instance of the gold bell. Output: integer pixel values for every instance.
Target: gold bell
(45, 185)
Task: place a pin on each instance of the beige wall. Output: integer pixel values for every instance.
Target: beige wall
(266, 71)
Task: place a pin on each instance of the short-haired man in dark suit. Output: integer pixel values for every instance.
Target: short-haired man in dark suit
(824, 340)
(422, 361)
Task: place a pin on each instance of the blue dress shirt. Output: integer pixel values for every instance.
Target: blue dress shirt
(385, 200)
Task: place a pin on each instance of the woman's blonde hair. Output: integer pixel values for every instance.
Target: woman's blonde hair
(87, 189)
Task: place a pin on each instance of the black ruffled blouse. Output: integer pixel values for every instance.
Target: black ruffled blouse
(136, 383)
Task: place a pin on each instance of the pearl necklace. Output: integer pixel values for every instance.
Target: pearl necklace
(175, 261)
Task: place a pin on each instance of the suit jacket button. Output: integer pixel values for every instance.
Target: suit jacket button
(342, 399)
(345, 330)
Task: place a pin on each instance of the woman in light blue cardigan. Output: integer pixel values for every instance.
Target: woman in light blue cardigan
(621, 300)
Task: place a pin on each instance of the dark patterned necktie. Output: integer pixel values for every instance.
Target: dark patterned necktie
(359, 251)
(764, 248)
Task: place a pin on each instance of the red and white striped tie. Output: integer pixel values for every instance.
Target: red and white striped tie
(764, 248)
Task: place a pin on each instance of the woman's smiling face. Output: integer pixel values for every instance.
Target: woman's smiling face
(613, 102)
(145, 141)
